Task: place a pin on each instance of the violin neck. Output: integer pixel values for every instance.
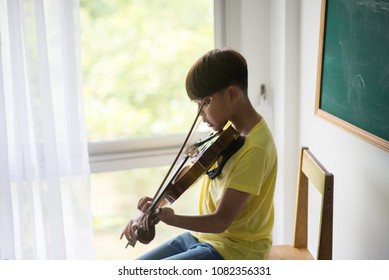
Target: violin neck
(158, 198)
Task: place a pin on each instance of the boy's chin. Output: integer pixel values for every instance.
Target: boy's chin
(217, 128)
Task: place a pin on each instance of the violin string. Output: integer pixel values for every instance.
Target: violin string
(172, 174)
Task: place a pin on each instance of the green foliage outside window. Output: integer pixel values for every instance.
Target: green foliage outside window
(136, 55)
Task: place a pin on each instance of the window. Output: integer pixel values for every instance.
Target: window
(136, 55)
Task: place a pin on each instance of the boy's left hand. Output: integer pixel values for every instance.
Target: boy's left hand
(165, 214)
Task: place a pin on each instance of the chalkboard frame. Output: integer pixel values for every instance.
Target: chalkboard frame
(320, 112)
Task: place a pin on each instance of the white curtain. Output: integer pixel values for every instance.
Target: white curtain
(44, 169)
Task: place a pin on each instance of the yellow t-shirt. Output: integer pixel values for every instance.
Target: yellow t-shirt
(252, 169)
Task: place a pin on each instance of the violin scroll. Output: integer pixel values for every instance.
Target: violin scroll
(145, 231)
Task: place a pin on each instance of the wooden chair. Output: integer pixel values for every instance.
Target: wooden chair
(310, 170)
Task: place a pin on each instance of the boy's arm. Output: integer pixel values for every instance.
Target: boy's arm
(230, 204)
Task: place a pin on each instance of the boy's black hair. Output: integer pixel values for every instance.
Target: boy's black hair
(214, 71)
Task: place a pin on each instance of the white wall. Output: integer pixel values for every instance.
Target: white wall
(280, 40)
(361, 170)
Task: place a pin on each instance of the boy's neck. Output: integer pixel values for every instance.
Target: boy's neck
(246, 118)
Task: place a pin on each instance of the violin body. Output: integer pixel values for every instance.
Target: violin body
(200, 163)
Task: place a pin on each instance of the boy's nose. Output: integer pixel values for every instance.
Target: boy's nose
(200, 110)
(204, 117)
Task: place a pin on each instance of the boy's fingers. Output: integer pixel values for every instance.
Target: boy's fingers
(144, 203)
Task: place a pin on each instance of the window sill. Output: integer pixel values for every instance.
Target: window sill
(135, 153)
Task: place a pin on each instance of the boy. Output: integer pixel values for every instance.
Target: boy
(236, 208)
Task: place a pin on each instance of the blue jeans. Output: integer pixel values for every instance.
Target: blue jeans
(183, 247)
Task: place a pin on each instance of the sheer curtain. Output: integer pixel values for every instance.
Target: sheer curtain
(44, 169)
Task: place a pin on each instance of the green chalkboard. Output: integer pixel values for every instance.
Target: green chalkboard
(353, 74)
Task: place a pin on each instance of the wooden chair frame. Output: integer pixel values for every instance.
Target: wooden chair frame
(310, 170)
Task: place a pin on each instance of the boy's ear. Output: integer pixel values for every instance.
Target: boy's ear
(234, 93)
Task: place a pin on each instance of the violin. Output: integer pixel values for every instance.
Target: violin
(189, 164)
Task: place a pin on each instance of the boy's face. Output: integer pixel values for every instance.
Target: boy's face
(215, 110)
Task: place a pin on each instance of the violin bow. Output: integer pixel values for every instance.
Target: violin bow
(157, 196)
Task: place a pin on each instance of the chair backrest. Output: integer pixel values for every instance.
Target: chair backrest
(311, 170)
